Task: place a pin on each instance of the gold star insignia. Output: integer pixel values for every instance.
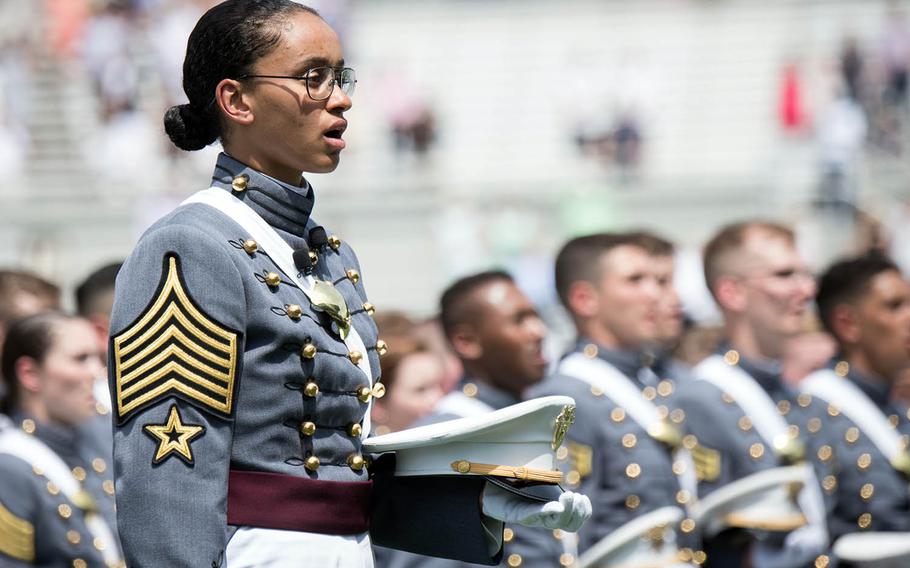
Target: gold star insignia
(173, 437)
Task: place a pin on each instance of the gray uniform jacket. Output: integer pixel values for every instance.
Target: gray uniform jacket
(611, 458)
(869, 493)
(58, 534)
(523, 546)
(219, 362)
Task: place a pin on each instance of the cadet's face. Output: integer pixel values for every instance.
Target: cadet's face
(417, 389)
(290, 129)
(511, 334)
(883, 318)
(68, 373)
(777, 286)
(629, 296)
(670, 311)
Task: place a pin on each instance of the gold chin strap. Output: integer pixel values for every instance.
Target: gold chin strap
(522, 473)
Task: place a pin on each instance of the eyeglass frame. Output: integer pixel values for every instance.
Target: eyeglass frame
(336, 79)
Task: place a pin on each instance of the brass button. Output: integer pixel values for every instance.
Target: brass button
(596, 390)
(683, 496)
(867, 491)
(590, 351)
(52, 488)
(355, 430)
(727, 398)
(239, 183)
(311, 389)
(633, 470)
(314, 258)
(79, 473)
(566, 559)
(293, 311)
(864, 461)
(650, 393)
(356, 462)
(894, 420)
(514, 560)
(665, 388)
(699, 557)
(99, 465)
(562, 453)
(783, 406)
(814, 425)
(101, 409)
(308, 351)
(369, 308)
(364, 394)
(507, 534)
(822, 561)
(689, 442)
(678, 416)
(379, 390)
(731, 357)
(864, 521)
(756, 450)
(842, 369)
(28, 426)
(311, 463)
(108, 487)
(382, 347)
(558, 534)
(352, 275)
(852, 435)
(334, 242)
(679, 467)
(250, 246)
(98, 544)
(573, 477)
(307, 428)
(355, 357)
(469, 390)
(745, 423)
(632, 502)
(833, 410)
(617, 415)
(629, 441)
(463, 466)
(272, 279)
(65, 511)
(829, 483)
(73, 537)
(687, 525)
(804, 400)
(79, 563)
(37, 470)
(825, 453)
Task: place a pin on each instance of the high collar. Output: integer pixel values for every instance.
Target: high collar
(488, 394)
(63, 440)
(629, 362)
(875, 388)
(767, 372)
(282, 205)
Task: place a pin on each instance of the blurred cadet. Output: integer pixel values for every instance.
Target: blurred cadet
(865, 303)
(243, 353)
(745, 419)
(624, 448)
(412, 374)
(56, 498)
(23, 294)
(498, 335)
(94, 302)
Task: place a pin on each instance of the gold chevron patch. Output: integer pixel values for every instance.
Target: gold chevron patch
(17, 536)
(174, 348)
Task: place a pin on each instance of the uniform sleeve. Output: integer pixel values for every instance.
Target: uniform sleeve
(175, 361)
(17, 515)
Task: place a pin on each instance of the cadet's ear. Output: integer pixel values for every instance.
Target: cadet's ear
(231, 98)
(583, 299)
(466, 343)
(729, 293)
(27, 374)
(845, 324)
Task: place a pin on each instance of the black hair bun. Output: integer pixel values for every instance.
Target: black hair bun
(189, 128)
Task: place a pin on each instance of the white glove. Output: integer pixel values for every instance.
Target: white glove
(568, 514)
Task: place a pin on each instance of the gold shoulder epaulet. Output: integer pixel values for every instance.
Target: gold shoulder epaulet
(17, 536)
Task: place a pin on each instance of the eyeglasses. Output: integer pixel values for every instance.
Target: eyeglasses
(320, 81)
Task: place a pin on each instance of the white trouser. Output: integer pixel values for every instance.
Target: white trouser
(270, 548)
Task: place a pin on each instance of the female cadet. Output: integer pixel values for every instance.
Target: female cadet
(243, 354)
(56, 497)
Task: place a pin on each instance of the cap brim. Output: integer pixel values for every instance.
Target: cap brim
(541, 492)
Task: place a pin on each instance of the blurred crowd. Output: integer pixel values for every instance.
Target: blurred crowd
(485, 349)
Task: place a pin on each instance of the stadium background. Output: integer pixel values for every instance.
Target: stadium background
(483, 132)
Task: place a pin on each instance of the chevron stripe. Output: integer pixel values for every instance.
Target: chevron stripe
(17, 536)
(174, 348)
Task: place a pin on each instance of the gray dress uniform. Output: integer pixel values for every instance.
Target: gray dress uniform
(727, 446)
(237, 402)
(39, 524)
(611, 458)
(522, 546)
(870, 494)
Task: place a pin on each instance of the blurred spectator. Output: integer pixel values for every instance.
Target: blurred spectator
(105, 52)
(94, 301)
(23, 294)
(65, 25)
(409, 114)
(791, 106)
(841, 134)
(412, 375)
(851, 68)
(896, 54)
(432, 335)
(55, 475)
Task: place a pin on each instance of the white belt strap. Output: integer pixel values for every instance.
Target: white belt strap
(282, 255)
(622, 391)
(838, 391)
(770, 425)
(36, 453)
